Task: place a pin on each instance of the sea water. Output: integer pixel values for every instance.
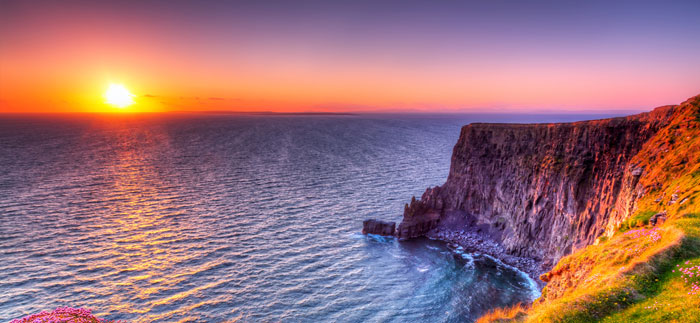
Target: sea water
(211, 218)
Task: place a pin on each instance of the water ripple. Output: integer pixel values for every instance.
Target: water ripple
(201, 218)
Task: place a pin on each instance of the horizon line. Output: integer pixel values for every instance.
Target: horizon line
(350, 112)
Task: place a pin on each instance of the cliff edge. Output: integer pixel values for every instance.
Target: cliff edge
(542, 191)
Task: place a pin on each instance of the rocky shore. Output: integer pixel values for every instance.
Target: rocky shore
(474, 242)
(469, 241)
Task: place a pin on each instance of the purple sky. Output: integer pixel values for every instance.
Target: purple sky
(354, 55)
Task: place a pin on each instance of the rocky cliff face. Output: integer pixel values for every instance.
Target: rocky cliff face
(540, 190)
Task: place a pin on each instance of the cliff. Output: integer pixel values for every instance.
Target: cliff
(540, 190)
(607, 207)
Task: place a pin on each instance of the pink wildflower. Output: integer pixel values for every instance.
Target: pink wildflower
(61, 315)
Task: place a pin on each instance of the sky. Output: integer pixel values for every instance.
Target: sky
(349, 56)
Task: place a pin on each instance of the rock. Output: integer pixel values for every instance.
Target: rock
(372, 226)
(673, 200)
(418, 219)
(545, 277)
(658, 218)
(637, 171)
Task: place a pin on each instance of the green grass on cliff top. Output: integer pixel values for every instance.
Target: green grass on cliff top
(670, 299)
(654, 291)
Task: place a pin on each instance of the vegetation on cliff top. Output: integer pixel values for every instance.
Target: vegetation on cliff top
(644, 272)
(63, 315)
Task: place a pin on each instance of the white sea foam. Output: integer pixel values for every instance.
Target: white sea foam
(535, 291)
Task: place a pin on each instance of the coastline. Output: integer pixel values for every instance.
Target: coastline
(473, 242)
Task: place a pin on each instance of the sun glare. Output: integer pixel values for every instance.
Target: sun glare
(118, 96)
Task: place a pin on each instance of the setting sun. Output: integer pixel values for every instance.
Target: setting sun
(118, 96)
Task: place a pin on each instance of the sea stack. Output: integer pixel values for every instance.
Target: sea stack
(382, 228)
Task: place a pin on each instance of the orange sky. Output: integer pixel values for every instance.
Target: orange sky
(61, 58)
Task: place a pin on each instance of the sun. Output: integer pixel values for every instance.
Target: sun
(118, 96)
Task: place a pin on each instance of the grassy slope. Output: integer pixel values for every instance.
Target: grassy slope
(635, 275)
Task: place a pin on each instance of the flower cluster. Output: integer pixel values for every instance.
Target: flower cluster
(691, 275)
(652, 234)
(61, 315)
(645, 236)
(656, 306)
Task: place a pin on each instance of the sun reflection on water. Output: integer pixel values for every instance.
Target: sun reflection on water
(146, 241)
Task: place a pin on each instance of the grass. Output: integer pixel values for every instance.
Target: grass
(515, 312)
(606, 278)
(672, 298)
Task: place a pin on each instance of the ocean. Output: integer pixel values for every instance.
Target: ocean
(212, 218)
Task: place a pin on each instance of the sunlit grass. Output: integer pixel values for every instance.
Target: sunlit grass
(608, 277)
(515, 312)
(675, 302)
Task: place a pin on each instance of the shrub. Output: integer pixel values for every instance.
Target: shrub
(63, 315)
(639, 219)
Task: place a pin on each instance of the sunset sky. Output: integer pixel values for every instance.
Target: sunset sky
(335, 56)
